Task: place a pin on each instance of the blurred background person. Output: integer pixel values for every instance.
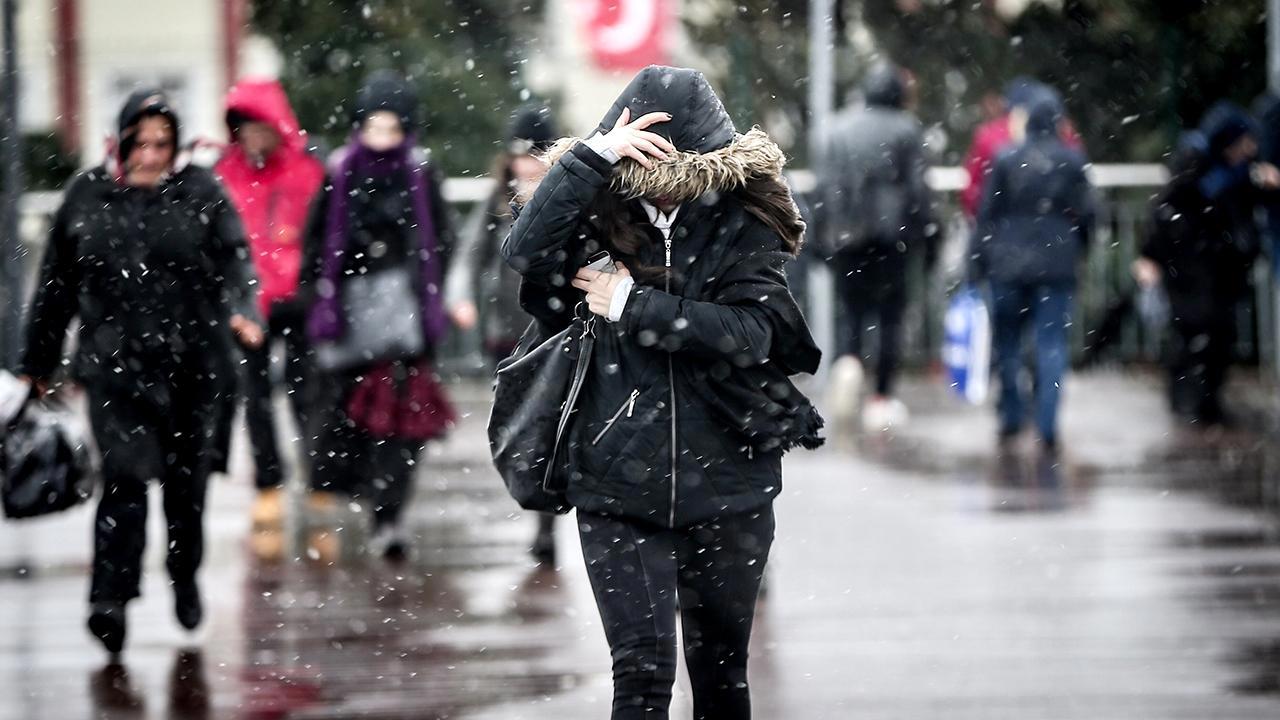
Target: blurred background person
(997, 134)
(1032, 231)
(1202, 243)
(381, 213)
(878, 211)
(271, 179)
(151, 257)
(479, 272)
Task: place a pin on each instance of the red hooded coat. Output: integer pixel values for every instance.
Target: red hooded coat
(273, 199)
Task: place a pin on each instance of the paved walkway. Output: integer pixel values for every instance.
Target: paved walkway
(915, 575)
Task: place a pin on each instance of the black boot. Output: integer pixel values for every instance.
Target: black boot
(186, 603)
(544, 543)
(107, 623)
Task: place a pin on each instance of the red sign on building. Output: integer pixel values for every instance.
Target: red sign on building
(627, 34)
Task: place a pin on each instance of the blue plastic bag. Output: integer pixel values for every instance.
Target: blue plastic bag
(966, 347)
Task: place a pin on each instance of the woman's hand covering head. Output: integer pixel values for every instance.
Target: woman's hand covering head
(699, 123)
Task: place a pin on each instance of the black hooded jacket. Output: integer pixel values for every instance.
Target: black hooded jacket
(153, 274)
(1205, 245)
(687, 409)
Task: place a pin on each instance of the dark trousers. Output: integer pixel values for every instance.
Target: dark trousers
(1204, 333)
(710, 573)
(258, 389)
(871, 281)
(348, 460)
(140, 443)
(1046, 311)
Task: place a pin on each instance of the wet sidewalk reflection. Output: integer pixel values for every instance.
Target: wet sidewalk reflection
(922, 573)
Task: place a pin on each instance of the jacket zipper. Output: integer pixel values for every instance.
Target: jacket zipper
(671, 375)
(629, 406)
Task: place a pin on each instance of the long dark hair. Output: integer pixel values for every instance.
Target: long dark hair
(768, 199)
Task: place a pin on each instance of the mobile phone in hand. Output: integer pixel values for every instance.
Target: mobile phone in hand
(601, 262)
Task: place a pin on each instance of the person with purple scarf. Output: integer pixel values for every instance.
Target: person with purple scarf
(380, 210)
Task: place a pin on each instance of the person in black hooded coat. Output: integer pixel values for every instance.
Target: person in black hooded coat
(152, 258)
(674, 455)
(1201, 245)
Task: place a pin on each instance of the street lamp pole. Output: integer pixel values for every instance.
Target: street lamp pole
(1273, 46)
(11, 194)
(821, 104)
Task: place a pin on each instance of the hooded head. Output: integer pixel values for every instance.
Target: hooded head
(884, 86)
(142, 103)
(1224, 124)
(699, 122)
(1190, 155)
(532, 129)
(711, 155)
(1020, 91)
(1044, 112)
(387, 90)
(264, 101)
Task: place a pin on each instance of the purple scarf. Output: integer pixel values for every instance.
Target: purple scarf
(325, 321)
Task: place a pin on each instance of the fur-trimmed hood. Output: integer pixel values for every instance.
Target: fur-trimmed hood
(687, 176)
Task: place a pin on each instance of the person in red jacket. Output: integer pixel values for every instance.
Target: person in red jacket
(995, 135)
(272, 179)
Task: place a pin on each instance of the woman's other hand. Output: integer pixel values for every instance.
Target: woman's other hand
(248, 332)
(464, 314)
(1146, 272)
(599, 287)
(630, 139)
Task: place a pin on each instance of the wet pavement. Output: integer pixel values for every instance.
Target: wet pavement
(916, 574)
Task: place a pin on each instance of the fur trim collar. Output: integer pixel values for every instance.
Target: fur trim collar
(690, 175)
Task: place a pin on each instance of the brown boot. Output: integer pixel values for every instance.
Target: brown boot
(267, 538)
(323, 545)
(268, 509)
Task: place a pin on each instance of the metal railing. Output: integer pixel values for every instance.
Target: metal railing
(1103, 299)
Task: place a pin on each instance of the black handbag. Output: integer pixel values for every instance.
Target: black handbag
(45, 462)
(535, 393)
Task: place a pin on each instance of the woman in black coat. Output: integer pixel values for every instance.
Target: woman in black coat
(151, 257)
(675, 453)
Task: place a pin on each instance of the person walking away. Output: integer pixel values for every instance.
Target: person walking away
(674, 454)
(380, 213)
(1032, 232)
(997, 134)
(479, 270)
(151, 257)
(1202, 244)
(878, 211)
(271, 179)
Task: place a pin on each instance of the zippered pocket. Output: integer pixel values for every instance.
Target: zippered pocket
(628, 407)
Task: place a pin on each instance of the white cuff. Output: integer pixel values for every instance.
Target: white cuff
(601, 147)
(618, 302)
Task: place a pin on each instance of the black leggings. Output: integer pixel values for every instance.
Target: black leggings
(710, 573)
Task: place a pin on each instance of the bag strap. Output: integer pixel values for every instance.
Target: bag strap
(586, 343)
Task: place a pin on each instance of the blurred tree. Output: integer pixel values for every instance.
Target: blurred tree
(464, 56)
(44, 164)
(1132, 71)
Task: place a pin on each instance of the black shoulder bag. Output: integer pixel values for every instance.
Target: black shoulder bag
(535, 392)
